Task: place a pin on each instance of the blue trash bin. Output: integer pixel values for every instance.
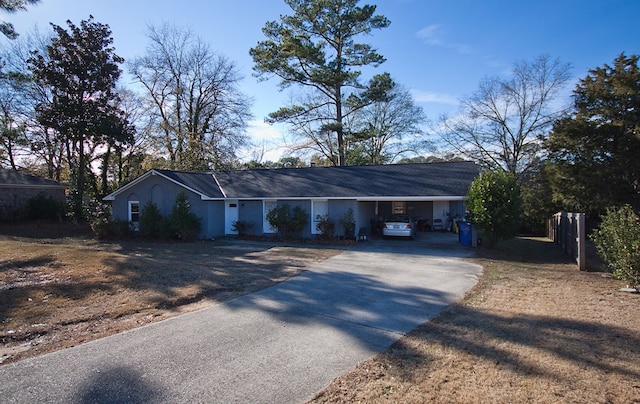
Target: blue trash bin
(465, 233)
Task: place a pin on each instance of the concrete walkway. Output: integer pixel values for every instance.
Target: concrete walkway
(280, 345)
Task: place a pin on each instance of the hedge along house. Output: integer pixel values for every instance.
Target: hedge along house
(17, 189)
(431, 192)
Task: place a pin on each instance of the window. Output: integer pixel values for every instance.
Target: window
(398, 208)
(134, 214)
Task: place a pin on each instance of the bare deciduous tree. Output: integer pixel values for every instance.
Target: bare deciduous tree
(386, 128)
(199, 113)
(44, 151)
(502, 124)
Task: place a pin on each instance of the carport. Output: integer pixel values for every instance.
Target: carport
(425, 211)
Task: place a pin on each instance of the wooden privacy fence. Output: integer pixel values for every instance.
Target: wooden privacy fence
(569, 231)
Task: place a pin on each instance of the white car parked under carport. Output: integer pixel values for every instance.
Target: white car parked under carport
(399, 226)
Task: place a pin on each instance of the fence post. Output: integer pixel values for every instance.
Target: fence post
(582, 241)
(568, 230)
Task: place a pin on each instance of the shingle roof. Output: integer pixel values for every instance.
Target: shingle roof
(397, 180)
(201, 182)
(11, 178)
(402, 180)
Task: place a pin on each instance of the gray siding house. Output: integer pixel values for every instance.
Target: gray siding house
(429, 192)
(16, 189)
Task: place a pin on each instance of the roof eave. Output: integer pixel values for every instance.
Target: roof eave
(112, 196)
(41, 186)
(356, 198)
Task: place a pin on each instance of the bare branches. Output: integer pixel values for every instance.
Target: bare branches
(201, 115)
(503, 123)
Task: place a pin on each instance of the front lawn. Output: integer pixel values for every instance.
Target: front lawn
(58, 291)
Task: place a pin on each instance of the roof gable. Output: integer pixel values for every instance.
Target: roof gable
(201, 183)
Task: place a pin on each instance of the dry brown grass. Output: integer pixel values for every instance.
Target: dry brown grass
(57, 292)
(534, 330)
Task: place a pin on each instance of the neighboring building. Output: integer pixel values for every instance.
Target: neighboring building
(17, 188)
(427, 192)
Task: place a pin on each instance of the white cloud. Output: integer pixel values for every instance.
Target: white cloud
(435, 35)
(431, 35)
(268, 142)
(262, 131)
(431, 97)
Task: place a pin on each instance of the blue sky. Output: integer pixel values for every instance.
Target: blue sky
(439, 50)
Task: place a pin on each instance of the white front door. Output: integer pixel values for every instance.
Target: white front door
(319, 209)
(230, 216)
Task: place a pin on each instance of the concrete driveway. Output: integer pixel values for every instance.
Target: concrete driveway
(280, 345)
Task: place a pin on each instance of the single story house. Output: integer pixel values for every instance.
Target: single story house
(17, 188)
(430, 192)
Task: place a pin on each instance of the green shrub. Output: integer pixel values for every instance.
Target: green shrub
(183, 224)
(495, 205)
(617, 241)
(287, 223)
(348, 222)
(44, 207)
(243, 228)
(152, 224)
(98, 214)
(325, 226)
(112, 229)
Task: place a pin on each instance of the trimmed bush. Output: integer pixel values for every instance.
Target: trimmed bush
(243, 228)
(288, 223)
(325, 226)
(112, 229)
(617, 241)
(495, 205)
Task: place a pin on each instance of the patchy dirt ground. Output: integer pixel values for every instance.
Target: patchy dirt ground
(57, 291)
(534, 330)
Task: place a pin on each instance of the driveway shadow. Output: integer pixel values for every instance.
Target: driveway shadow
(119, 385)
(510, 340)
(349, 298)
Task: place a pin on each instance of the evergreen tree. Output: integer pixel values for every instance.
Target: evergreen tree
(594, 153)
(316, 48)
(183, 224)
(81, 70)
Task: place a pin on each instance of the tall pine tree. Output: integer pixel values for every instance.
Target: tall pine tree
(316, 48)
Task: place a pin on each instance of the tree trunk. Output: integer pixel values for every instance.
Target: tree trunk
(339, 129)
